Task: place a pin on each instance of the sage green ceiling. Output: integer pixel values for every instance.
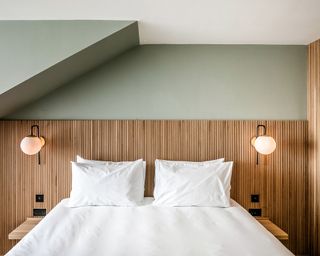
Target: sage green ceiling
(36, 57)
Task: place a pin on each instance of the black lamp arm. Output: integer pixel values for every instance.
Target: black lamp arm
(264, 129)
(37, 130)
(38, 135)
(264, 133)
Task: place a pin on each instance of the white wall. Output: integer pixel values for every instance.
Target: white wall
(189, 21)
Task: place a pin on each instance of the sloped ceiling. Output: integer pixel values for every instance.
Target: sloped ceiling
(37, 57)
(189, 21)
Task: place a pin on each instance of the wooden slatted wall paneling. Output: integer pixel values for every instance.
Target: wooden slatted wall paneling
(280, 178)
(314, 145)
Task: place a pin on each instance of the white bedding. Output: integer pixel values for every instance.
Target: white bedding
(148, 230)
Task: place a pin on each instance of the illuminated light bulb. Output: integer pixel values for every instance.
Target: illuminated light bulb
(265, 144)
(31, 145)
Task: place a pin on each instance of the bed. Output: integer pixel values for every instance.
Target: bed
(148, 230)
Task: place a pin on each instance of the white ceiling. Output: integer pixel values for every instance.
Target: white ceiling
(189, 21)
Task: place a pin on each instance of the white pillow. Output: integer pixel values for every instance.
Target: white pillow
(188, 163)
(109, 163)
(187, 185)
(87, 161)
(103, 184)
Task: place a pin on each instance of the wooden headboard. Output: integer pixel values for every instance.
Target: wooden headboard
(280, 179)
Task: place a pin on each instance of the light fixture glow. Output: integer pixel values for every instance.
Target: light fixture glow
(263, 144)
(32, 144)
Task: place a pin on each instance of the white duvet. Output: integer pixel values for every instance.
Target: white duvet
(148, 230)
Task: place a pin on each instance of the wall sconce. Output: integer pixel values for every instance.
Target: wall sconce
(32, 144)
(263, 144)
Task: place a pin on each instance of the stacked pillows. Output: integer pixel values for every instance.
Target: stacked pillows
(193, 183)
(107, 183)
(177, 183)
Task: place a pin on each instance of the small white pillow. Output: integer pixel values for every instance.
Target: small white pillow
(109, 163)
(187, 185)
(103, 184)
(189, 163)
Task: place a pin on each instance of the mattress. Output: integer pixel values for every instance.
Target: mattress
(148, 230)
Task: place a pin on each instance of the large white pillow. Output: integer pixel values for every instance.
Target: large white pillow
(192, 185)
(102, 184)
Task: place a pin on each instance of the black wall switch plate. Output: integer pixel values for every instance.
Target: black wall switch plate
(39, 212)
(255, 198)
(39, 198)
(255, 212)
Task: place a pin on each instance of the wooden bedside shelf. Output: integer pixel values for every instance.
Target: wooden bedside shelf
(24, 228)
(273, 228)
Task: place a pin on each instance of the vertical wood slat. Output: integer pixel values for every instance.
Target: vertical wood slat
(314, 145)
(279, 179)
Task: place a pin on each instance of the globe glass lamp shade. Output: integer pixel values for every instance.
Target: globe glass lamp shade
(265, 145)
(31, 145)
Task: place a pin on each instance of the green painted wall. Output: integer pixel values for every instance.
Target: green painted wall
(29, 47)
(185, 82)
(42, 71)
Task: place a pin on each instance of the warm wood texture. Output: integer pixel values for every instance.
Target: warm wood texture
(314, 146)
(24, 228)
(280, 179)
(273, 228)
